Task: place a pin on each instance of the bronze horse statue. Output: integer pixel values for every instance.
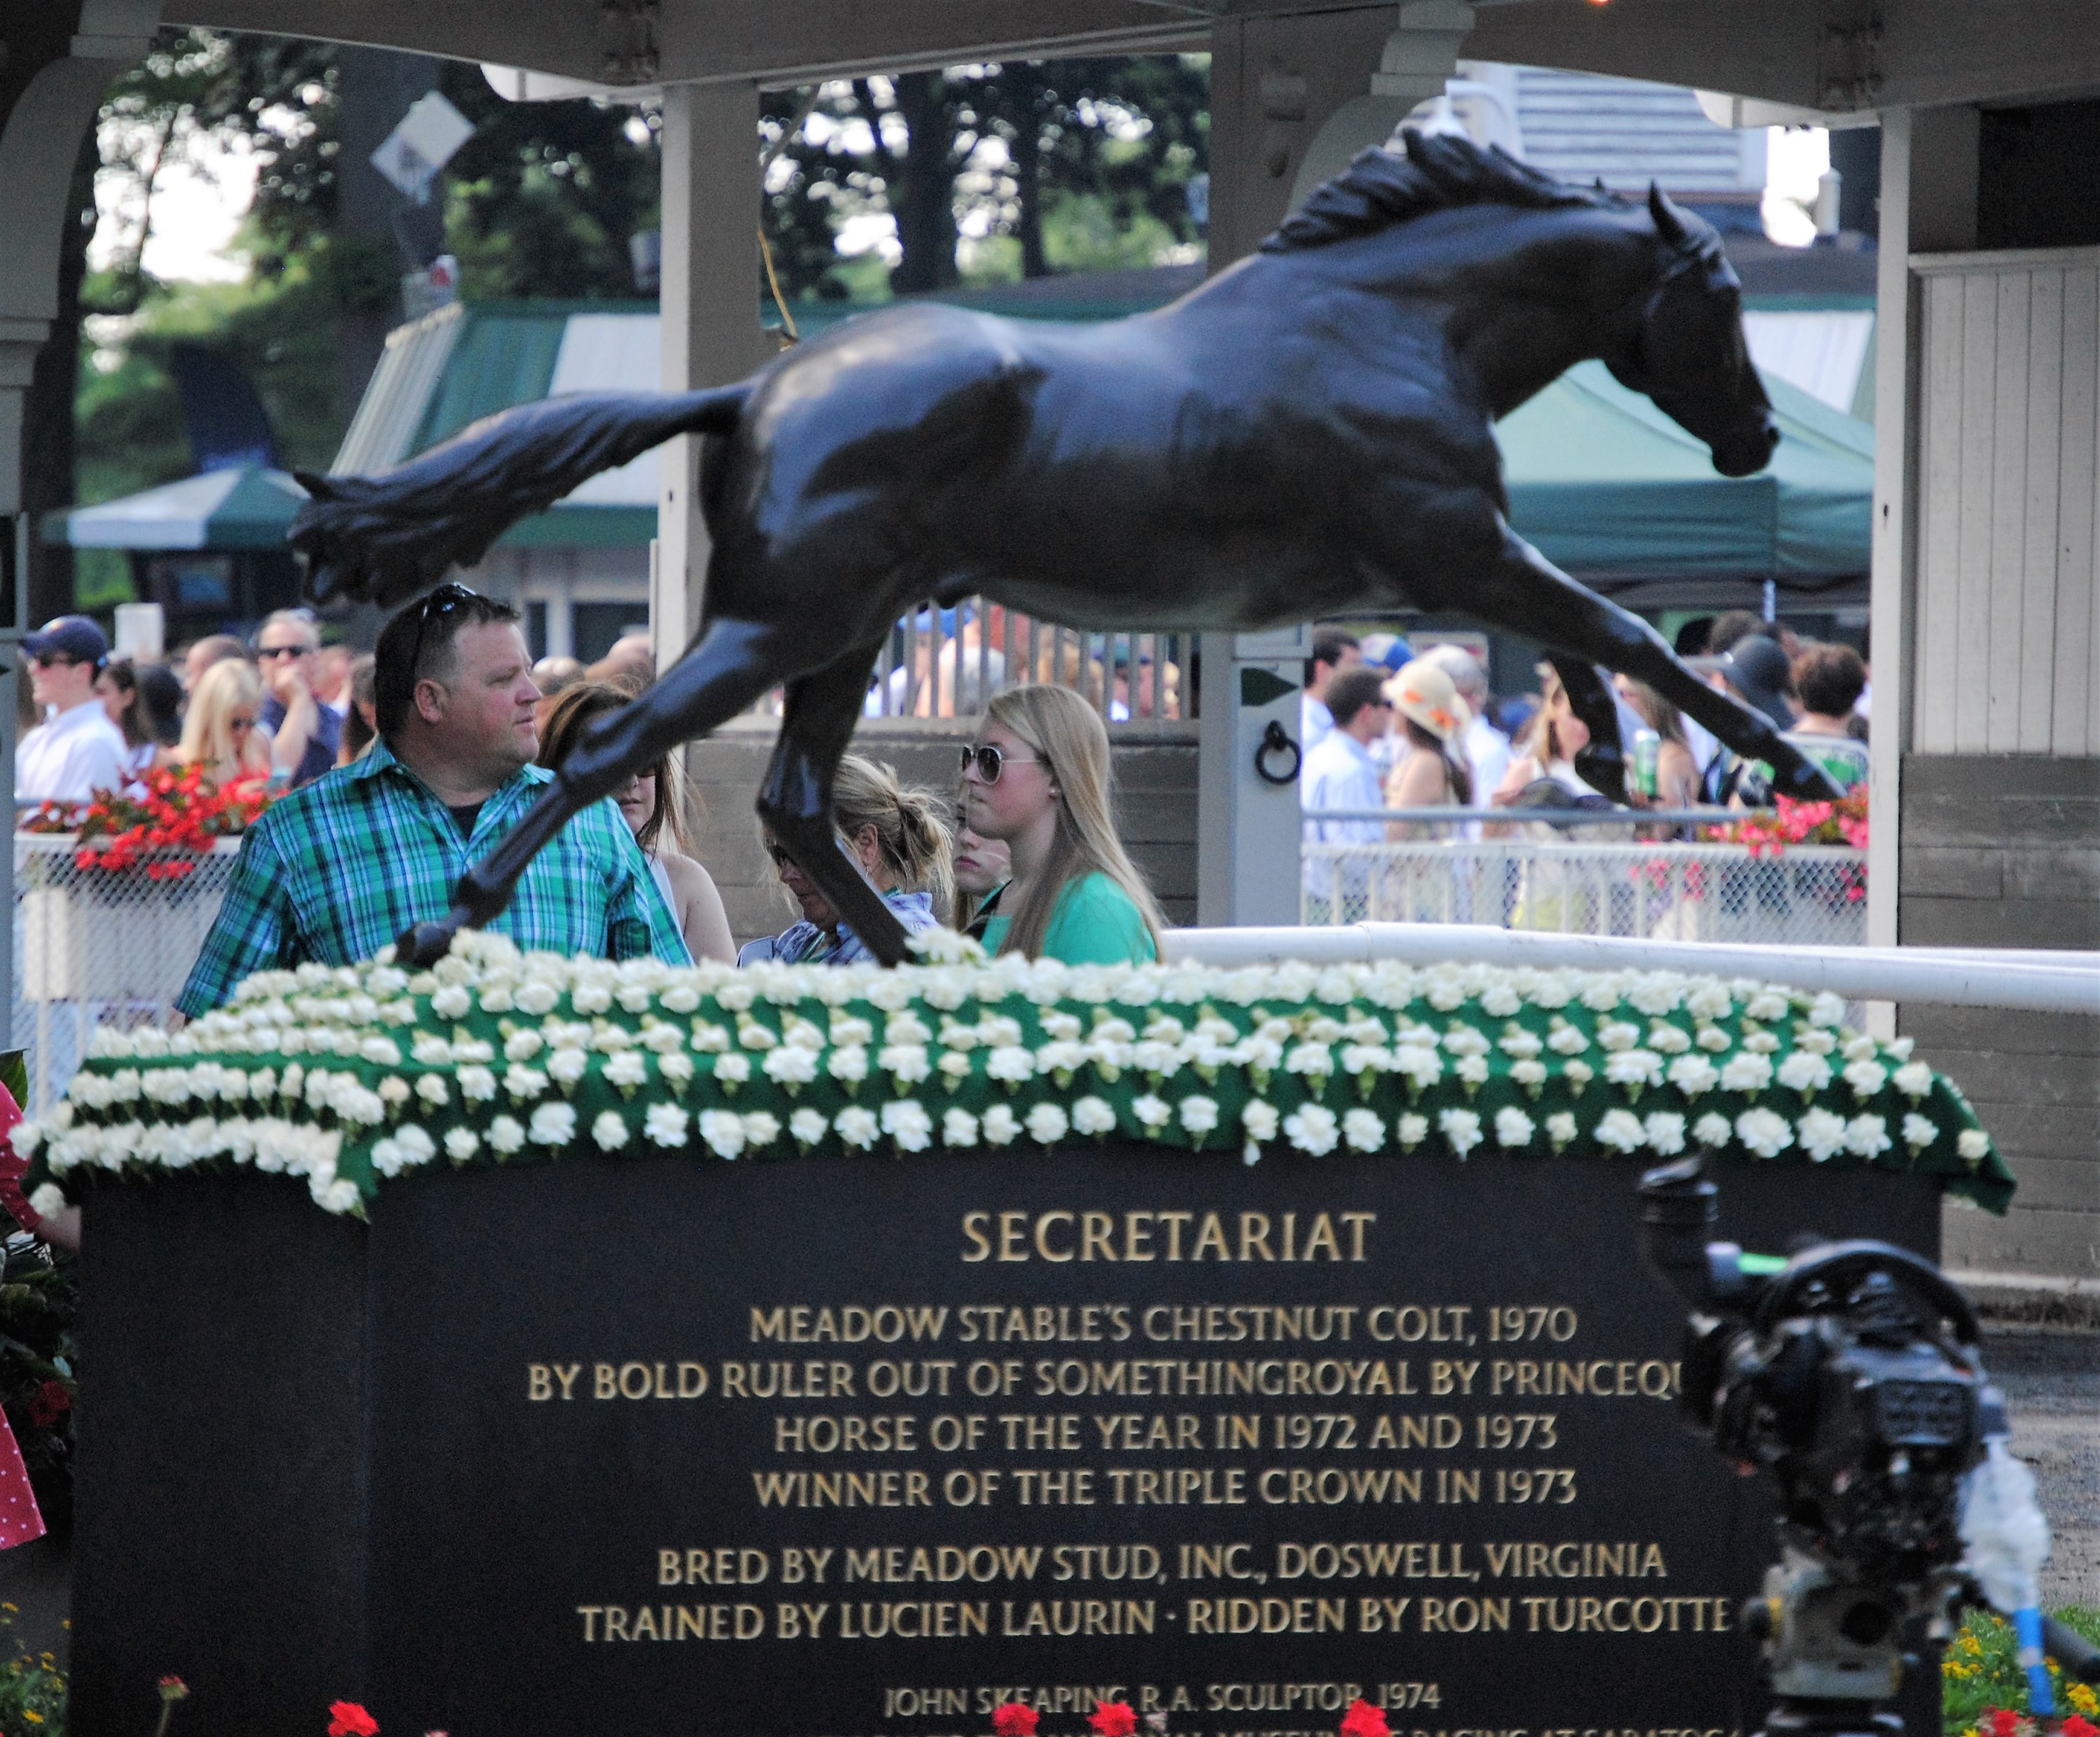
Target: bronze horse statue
(1308, 434)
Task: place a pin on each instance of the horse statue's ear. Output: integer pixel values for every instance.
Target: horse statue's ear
(1668, 223)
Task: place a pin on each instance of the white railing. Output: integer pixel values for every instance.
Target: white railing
(946, 663)
(94, 947)
(1811, 896)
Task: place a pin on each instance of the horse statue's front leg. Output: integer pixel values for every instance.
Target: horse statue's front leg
(1524, 591)
(1601, 761)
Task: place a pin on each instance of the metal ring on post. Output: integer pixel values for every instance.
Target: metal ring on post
(1275, 740)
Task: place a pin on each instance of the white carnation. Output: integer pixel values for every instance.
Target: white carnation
(1634, 1067)
(721, 1131)
(461, 1144)
(732, 1070)
(451, 1002)
(1914, 1081)
(1665, 1133)
(1312, 1129)
(907, 1123)
(1817, 1042)
(626, 1071)
(1513, 1128)
(1804, 1072)
(1745, 1072)
(610, 1130)
(793, 1064)
(1048, 1122)
(665, 1125)
(907, 1063)
(1566, 1040)
(1001, 1126)
(1713, 1039)
(1615, 1035)
(1410, 1130)
(1527, 1073)
(552, 1124)
(48, 1201)
(1972, 1145)
(1560, 1128)
(1918, 1132)
(1461, 1130)
(522, 1046)
(434, 1091)
(567, 1065)
(1093, 1115)
(808, 1126)
(847, 1064)
(1693, 1074)
(1764, 1132)
(1199, 1114)
(1260, 1119)
(1865, 1077)
(1669, 1040)
(476, 1084)
(1713, 1129)
(416, 1143)
(1621, 1131)
(958, 1128)
(856, 1126)
(1867, 1136)
(1822, 1134)
(522, 1083)
(1363, 1130)
(507, 1134)
(1154, 1112)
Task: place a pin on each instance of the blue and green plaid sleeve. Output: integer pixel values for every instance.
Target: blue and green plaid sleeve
(252, 929)
(638, 923)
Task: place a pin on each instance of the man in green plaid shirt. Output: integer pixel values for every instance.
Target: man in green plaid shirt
(336, 871)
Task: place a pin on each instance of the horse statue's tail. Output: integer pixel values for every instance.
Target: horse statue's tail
(381, 539)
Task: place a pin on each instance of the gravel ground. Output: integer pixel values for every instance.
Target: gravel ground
(2051, 1377)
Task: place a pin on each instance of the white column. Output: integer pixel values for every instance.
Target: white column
(711, 334)
(1891, 556)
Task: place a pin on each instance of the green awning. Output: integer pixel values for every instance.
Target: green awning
(246, 507)
(1607, 486)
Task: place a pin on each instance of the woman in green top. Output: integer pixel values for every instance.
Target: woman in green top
(1037, 777)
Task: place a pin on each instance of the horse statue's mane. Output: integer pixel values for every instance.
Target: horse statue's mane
(1438, 173)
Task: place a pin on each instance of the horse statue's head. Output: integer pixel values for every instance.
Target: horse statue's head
(1687, 350)
(1679, 339)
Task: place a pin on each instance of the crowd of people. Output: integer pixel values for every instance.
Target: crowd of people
(1382, 730)
(399, 768)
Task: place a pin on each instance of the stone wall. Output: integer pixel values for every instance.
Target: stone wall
(2004, 851)
(1155, 805)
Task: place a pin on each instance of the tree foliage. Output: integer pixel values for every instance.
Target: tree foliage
(986, 172)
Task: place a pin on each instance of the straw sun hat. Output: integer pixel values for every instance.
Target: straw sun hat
(1424, 693)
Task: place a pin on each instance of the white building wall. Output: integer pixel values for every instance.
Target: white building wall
(2008, 653)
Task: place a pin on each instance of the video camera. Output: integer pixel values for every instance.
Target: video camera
(1851, 1372)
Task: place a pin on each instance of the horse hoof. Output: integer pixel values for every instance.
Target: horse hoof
(422, 946)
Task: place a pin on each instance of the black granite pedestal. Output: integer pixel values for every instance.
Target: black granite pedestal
(651, 1447)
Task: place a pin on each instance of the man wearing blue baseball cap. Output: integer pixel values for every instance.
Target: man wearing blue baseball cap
(76, 751)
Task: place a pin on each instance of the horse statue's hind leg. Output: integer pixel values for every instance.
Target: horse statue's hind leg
(732, 664)
(1601, 761)
(1525, 589)
(795, 801)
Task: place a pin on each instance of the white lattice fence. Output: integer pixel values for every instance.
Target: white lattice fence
(94, 946)
(1811, 896)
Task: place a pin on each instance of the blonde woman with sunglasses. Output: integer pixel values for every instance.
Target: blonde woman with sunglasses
(899, 836)
(220, 730)
(1037, 779)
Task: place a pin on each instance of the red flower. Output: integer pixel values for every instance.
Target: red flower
(2078, 1725)
(1364, 1720)
(173, 1689)
(2001, 1721)
(1112, 1718)
(1011, 1719)
(347, 1719)
(48, 1403)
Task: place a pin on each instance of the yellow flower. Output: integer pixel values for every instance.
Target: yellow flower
(31, 1714)
(2080, 1695)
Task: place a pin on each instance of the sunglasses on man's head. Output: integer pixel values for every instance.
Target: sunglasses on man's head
(447, 597)
(988, 761)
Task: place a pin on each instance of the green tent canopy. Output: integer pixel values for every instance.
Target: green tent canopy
(244, 507)
(1609, 487)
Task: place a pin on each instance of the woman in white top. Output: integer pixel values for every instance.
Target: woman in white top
(651, 807)
(1548, 748)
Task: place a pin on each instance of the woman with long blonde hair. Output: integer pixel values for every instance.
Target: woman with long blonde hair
(898, 834)
(649, 803)
(221, 730)
(1037, 777)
